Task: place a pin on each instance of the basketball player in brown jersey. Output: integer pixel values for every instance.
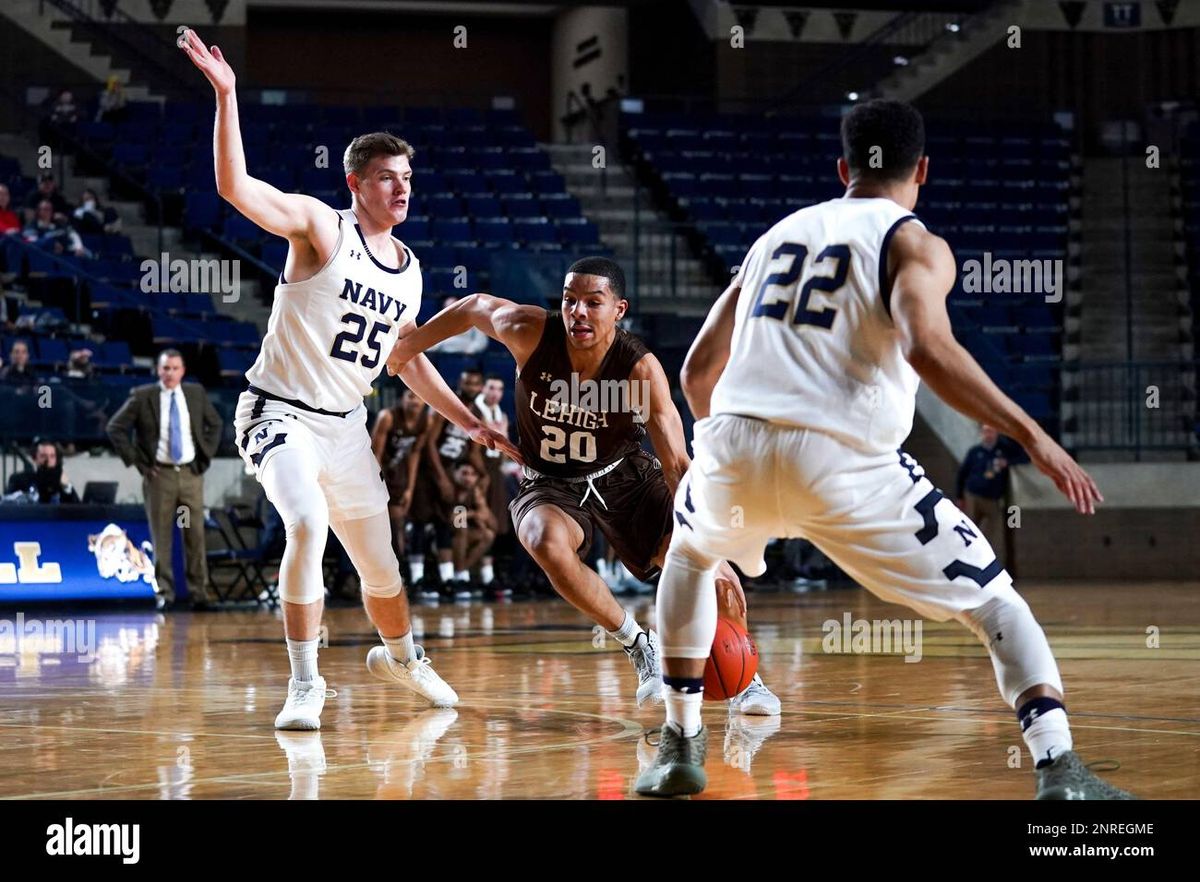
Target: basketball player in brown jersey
(399, 436)
(587, 394)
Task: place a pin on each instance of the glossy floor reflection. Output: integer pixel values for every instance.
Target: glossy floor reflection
(140, 706)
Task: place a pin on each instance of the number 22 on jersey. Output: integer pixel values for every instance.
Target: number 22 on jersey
(835, 256)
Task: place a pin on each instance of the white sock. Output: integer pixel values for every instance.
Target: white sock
(627, 634)
(400, 648)
(1049, 735)
(446, 571)
(303, 656)
(416, 566)
(486, 574)
(462, 576)
(683, 710)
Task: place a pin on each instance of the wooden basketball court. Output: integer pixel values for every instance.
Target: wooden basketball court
(181, 707)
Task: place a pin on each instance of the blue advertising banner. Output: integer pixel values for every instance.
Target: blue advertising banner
(85, 559)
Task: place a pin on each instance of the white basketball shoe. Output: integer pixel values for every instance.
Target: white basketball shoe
(302, 710)
(756, 700)
(418, 675)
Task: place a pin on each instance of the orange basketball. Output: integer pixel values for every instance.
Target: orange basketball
(732, 663)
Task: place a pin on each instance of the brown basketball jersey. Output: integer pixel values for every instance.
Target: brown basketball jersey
(567, 428)
(400, 440)
(453, 444)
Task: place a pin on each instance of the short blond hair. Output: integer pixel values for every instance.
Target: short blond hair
(364, 148)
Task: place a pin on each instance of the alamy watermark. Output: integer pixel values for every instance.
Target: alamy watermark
(90, 840)
(873, 636)
(192, 276)
(586, 403)
(58, 636)
(1003, 276)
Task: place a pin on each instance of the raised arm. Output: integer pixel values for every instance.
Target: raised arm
(517, 326)
(921, 269)
(289, 215)
(709, 353)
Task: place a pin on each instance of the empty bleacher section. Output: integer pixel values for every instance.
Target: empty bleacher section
(1003, 191)
(482, 186)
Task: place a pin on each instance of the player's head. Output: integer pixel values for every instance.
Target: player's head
(171, 368)
(470, 383)
(593, 301)
(493, 389)
(466, 476)
(410, 402)
(379, 174)
(883, 149)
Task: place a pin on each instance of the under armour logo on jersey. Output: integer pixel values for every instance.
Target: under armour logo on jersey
(357, 255)
(545, 377)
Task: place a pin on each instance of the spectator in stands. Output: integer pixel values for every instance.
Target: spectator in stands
(64, 110)
(47, 231)
(79, 365)
(47, 483)
(487, 406)
(92, 218)
(983, 481)
(10, 221)
(175, 435)
(470, 342)
(398, 439)
(47, 188)
(111, 106)
(475, 525)
(18, 372)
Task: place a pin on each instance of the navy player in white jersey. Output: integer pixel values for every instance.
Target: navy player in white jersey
(804, 381)
(347, 290)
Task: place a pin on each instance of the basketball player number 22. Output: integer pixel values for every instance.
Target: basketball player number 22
(355, 336)
(822, 318)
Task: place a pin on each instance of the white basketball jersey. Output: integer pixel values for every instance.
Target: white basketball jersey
(329, 336)
(813, 342)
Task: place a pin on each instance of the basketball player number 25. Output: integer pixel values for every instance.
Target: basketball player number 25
(583, 445)
(822, 318)
(359, 324)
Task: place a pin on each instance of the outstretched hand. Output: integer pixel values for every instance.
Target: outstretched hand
(494, 440)
(727, 581)
(210, 61)
(400, 357)
(1070, 479)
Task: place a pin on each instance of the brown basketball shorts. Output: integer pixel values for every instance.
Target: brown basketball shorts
(631, 506)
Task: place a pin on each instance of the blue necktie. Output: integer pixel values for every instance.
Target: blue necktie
(174, 433)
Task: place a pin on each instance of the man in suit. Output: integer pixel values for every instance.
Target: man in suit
(175, 434)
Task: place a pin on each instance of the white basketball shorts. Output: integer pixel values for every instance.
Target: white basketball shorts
(340, 447)
(875, 515)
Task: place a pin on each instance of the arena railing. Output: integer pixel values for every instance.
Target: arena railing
(1137, 407)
